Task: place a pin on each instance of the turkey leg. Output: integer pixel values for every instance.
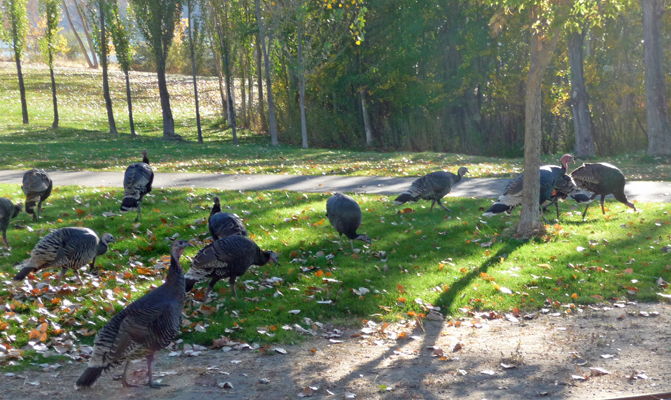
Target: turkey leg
(151, 383)
(441, 204)
(124, 377)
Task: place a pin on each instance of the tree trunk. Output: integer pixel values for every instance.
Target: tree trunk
(195, 82)
(259, 84)
(301, 83)
(366, 117)
(79, 39)
(582, 119)
(229, 90)
(22, 90)
(217, 66)
(130, 105)
(53, 95)
(243, 93)
(103, 61)
(87, 33)
(168, 122)
(659, 130)
(250, 92)
(269, 87)
(540, 51)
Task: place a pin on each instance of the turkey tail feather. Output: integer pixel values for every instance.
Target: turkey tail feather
(25, 271)
(89, 376)
(497, 208)
(128, 204)
(404, 198)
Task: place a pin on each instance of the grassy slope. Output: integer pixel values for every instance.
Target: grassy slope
(436, 257)
(84, 122)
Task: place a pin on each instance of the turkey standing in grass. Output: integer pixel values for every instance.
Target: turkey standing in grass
(601, 179)
(433, 186)
(228, 257)
(512, 195)
(141, 329)
(222, 224)
(66, 248)
(37, 187)
(7, 211)
(137, 183)
(345, 216)
(565, 187)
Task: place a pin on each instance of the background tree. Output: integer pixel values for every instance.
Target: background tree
(79, 39)
(269, 86)
(582, 118)
(659, 130)
(98, 12)
(81, 11)
(156, 20)
(16, 13)
(220, 10)
(195, 35)
(120, 29)
(313, 35)
(50, 45)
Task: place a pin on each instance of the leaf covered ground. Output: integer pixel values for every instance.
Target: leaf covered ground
(455, 263)
(83, 120)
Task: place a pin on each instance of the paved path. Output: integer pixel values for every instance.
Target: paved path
(485, 187)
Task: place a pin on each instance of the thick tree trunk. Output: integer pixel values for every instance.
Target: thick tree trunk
(103, 62)
(659, 130)
(195, 81)
(130, 105)
(582, 119)
(54, 125)
(168, 122)
(22, 90)
(259, 84)
(79, 39)
(540, 49)
(269, 87)
(301, 83)
(87, 33)
(366, 118)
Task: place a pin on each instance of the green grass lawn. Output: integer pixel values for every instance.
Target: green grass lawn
(82, 142)
(457, 261)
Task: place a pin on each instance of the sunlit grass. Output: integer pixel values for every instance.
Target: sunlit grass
(82, 142)
(457, 261)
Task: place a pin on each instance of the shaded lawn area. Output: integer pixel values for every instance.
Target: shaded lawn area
(82, 142)
(456, 261)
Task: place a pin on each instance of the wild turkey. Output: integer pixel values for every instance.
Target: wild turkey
(228, 257)
(7, 211)
(601, 179)
(66, 248)
(344, 214)
(565, 187)
(433, 186)
(222, 224)
(37, 187)
(137, 183)
(141, 329)
(512, 195)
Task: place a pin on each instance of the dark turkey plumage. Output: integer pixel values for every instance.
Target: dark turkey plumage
(433, 186)
(66, 248)
(512, 195)
(601, 179)
(7, 211)
(345, 216)
(222, 224)
(229, 257)
(37, 187)
(137, 183)
(565, 187)
(142, 328)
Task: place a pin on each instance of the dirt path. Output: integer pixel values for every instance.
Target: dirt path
(544, 352)
(482, 188)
